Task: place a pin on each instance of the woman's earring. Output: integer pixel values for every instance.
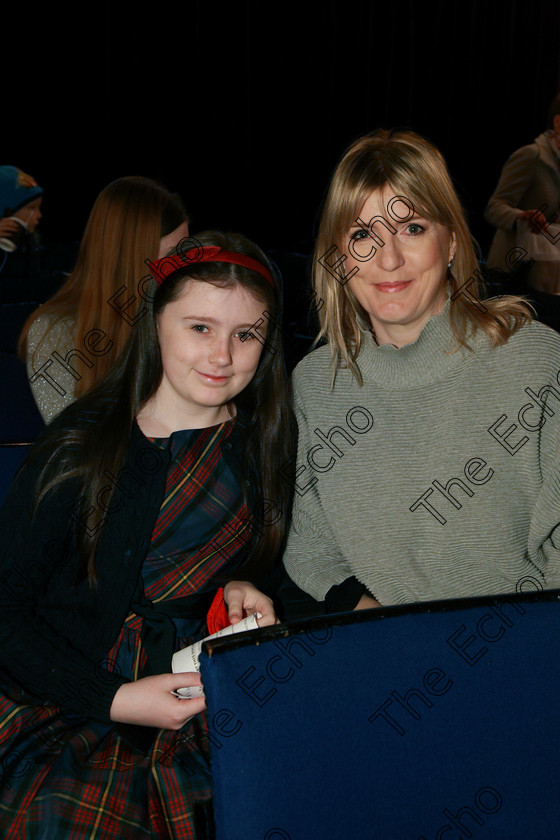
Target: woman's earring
(451, 261)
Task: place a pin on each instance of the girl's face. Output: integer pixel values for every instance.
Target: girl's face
(208, 350)
(402, 283)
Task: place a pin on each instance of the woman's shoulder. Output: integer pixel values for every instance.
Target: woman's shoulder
(316, 363)
(535, 333)
(532, 346)
(52, 329)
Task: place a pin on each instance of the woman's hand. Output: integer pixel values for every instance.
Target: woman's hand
(243, 599)
(534, 219)
(366, 602)
(149, 702)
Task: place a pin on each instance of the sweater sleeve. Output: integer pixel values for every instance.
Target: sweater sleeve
(503, 209)
(34, 548)
(544, 530)
(312, 558)
(52, 383)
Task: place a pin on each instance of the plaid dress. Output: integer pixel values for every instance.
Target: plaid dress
(70, 778)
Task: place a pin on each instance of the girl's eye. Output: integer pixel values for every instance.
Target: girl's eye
(414, 229)
(199, 328)
(245, 335)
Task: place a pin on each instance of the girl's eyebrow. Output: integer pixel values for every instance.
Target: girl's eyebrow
(208, 320)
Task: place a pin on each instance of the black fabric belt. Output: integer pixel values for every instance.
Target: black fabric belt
(158, 641)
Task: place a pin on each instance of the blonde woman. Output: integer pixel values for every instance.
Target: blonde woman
(429, 428)
(73, 340)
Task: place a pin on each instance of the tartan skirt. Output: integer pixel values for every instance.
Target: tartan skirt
(67, 778)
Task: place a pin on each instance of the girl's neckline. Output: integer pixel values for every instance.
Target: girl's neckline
(154, 438)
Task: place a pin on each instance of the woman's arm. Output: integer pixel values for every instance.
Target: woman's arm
(52, 384)
(503, 209)
(366, 602)
(544, 529)
(312, 557)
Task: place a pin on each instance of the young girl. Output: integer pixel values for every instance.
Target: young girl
(141, 497)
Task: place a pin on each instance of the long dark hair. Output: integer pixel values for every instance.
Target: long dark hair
(92, 435)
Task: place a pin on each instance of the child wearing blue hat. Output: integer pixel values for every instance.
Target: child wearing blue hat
(20, 212)
(20, 205)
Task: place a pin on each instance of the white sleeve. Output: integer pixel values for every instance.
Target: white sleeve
(52, 384)
(503, 208)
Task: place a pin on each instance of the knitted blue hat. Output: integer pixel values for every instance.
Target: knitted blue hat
(14, 193)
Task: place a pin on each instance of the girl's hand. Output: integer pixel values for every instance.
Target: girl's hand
(243, 599)
(149, 702)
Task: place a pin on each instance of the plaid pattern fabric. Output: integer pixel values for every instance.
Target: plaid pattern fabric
(66, 778)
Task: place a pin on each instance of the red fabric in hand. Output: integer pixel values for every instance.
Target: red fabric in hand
(217, 617)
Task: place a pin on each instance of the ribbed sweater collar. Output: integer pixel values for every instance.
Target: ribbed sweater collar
(428, 359)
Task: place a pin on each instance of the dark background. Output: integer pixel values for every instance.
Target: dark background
(245, 107)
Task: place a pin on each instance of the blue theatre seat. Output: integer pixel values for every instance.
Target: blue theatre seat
(12, 457)
(434, 720)
(12, 318)
(20, 420)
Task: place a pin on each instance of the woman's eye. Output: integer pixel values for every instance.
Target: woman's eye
(245, 335)
(199, 328)
(414, 229)
(359, 233)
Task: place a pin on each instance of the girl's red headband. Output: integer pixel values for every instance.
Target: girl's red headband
(201, 254)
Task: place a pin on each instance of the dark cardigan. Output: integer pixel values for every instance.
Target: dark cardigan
(55, 630)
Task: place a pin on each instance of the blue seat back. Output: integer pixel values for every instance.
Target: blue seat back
(392, 723)
(20, 420)
(12, 457)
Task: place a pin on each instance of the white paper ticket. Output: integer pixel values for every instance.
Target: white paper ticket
(187, 659)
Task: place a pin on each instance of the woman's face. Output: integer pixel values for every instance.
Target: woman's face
(209, 352)
(401, 284)
(167, 243)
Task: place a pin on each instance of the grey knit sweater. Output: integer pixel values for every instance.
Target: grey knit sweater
(439, 477)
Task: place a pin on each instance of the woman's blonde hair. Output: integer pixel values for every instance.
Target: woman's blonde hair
(126, 223)
(415, 170)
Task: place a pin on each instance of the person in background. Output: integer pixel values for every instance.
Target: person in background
(429, 427)
(529, 179)
(20, 212)
(71, 341)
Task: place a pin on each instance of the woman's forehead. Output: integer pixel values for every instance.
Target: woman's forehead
(388, 201)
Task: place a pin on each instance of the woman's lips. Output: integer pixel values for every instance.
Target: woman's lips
(393, 287)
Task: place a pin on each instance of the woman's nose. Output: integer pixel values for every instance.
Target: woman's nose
(389, 256)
